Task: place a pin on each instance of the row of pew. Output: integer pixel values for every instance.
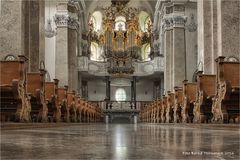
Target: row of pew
(214, 98)
(27, 97)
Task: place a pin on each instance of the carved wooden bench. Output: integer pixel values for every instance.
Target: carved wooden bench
(143, 114)
(226, 101)
(206, 89)
(170, 107)
(163, 109)
(72, 106)
(62, 103)
(84, 110)
(178, 101)
(152, 112)
(78, 107)
(15, 103)
(189, 97)
(35, 88)
(54, 110)
(158, 110)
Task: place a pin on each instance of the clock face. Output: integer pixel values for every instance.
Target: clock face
(10, 58)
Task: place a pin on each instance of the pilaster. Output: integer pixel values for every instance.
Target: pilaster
(66, 20)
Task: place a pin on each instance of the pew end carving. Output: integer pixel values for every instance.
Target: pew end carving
(15, 103)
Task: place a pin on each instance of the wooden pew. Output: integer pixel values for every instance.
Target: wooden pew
(78, 107)
(169, 107)
(84, 110)
(153, 111)
(189, 97)
(158, 110)
(163, 109)
(148, 113)
(63, 103)
(35, 88)
(205, 92)
(226, 101)
(54, 110)
(15, 103)
(178, 101)
(72, 106)
(143, 114)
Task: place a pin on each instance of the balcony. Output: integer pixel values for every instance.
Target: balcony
(101, 68)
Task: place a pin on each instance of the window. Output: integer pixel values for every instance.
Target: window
(96, 20)
(96, 53)
(144, 21)
(120, 94)
(147, 23)
(146, 49)
(120, 23)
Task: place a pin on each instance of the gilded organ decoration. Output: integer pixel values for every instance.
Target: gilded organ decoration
(121, 39)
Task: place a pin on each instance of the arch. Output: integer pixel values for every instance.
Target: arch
(96, 19)
(232, 59)
(145, 52)
(144, 19)
(10, 57)
(120, 94)
(120, 23)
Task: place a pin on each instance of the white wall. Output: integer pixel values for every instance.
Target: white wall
(96, 90)
(191, 41)
(50, 43)
(144, 90)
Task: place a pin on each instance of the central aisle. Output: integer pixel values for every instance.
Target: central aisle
(120, 141)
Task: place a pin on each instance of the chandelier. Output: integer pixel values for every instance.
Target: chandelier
(121, 37)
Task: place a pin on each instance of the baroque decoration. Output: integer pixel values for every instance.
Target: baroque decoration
(121, 37)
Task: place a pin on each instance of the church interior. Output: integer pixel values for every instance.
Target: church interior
(120, 79)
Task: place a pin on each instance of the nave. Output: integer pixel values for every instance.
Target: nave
(122, 141)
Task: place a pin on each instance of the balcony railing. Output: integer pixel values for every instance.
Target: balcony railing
(121, 106)
(140, 68)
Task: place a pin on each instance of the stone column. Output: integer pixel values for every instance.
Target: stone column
(179, 50)
(66, 45)
(80, 83)
(22, 30)
(12, 28)
(218, 31)
(205, 34)
(108, 96)
(36, 13)
(167, 52)
(228, 22)
(134, 94)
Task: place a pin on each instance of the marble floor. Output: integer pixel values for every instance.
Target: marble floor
(121, 141)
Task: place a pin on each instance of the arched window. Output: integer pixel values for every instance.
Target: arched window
(96, 20)
(96, 52)
(147, 23)
(144, 21)
(120, 23)
(146, 50)
(120, 94)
